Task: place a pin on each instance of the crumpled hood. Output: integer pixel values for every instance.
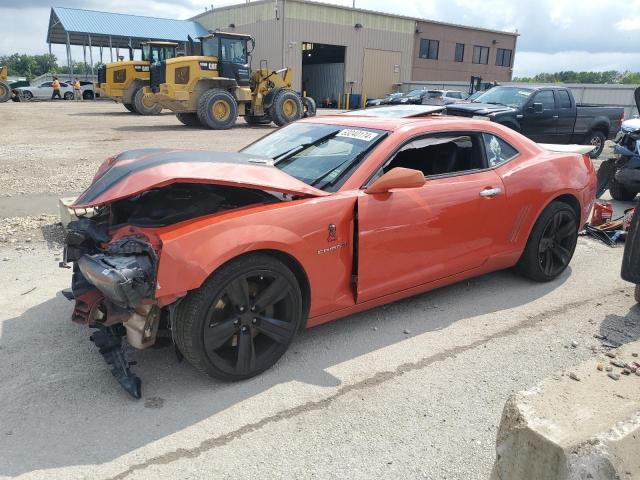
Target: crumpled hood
(136, 171)
(477, 108)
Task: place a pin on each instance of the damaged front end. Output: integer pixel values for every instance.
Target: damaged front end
(113, 287)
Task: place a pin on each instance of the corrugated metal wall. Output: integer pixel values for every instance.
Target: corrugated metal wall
(324, 80)
(597, 94)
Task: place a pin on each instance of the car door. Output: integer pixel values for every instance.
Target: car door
(44, 90)
(414, 236)
(540, 125)
(566, 116)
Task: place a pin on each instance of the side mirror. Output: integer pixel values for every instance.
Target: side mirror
(398, 177)
(536, 107)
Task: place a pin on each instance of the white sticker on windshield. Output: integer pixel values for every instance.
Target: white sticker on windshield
(357, 134)
(524, 93)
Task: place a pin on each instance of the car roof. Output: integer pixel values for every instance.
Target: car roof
(392, 124)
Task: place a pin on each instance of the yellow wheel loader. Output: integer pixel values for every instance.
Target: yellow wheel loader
(5, 90)
(214, 88)
(124, 81)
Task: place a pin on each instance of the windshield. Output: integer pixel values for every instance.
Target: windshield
(510, 96)
(414, 93)
(157, 53)
(234, 50)
(319, 155)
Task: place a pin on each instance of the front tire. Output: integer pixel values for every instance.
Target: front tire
(189, 119)
(551, 243)
(129, 107)
(597, 139)
(286, 107)
(144, 107)
(68, 96)
(217, 109)
(27, 95)
(242, 319)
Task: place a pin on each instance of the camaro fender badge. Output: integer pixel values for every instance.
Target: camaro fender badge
(332, 248)
(332, 237)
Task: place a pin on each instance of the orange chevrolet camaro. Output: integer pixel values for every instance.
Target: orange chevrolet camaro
(228, 255)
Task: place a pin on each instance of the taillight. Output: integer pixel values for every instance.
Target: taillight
(622, 117)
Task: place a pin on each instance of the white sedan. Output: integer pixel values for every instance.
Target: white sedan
(45, 90)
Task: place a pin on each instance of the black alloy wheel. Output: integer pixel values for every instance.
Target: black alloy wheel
(242, 320)
(557, 243)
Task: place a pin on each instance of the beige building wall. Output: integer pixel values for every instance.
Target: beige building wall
(445, 68)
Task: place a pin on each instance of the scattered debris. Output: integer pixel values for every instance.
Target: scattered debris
(610, 354)
(407, 332)
(375, 329)
(613, 376)
(609, 368)
(5, 259)
(634, 354)
(154, 402)
(574, 344)
(600, 367)
(619, 364)
(28, 291)
(573, 376)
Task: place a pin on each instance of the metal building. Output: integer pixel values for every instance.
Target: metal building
(335, 50)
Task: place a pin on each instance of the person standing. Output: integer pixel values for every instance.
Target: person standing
(77, 90)
(56, 89)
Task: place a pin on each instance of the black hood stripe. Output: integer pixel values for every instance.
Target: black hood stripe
(118, 172)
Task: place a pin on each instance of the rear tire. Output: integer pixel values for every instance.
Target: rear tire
(217, 109)
(286, 107)
(597, 139)
(242, 319)
(551, 243)
(189, 119)
(68, 96)
(619, 192)
(27, 95)
(87, 95)
(143, 108)
(5, 92)
(309, 105)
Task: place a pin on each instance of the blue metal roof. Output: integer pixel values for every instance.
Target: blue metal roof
(79, 24)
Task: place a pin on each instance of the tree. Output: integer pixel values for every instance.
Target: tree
(29, 66)
(569, 76)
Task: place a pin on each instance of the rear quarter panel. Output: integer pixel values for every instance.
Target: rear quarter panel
(192, 251)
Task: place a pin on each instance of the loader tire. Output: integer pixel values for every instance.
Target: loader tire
(217, 109)
(189, 119)
(257, 120)
(286, 107)
(145, 108)
(5, 92)
(309, 107)
(129, 107)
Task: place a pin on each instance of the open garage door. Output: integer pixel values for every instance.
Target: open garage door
(323, 72)
(381, 71)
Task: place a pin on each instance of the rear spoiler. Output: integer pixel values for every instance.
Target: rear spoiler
(582, 149)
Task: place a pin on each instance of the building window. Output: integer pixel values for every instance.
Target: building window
(503, 57)
(459, 52)
(429, 49)
(480, 55)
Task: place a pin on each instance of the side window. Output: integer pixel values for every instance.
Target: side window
(440, 154)
(545, 97)
(564, 99)
(454, 95)
(45, 84)
(498, 151)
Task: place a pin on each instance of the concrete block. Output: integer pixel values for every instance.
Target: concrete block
(567, 429)
(69, 214)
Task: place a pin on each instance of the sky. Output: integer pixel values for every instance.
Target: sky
(555, 35)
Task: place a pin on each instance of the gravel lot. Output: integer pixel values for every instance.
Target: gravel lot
(411, 390)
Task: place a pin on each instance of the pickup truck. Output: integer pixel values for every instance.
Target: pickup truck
(547, 114)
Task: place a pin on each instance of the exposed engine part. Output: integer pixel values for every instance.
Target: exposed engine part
(87, 308)
(126, 280)
(143, 328)
(84, 236)
(109, 342)
(182, 201)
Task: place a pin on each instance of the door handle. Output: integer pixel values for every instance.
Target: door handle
(490, 192)
(555, 116)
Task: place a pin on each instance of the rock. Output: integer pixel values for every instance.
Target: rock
(407, 332)
(574, 344)
(610, 354)
(617, 363)
(375, 329)
(613, 376)
(573, 376)
(5, 259)
(609, 368)
(600, 367)
(634, 354)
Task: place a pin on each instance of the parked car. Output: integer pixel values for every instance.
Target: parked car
(545, 114)
(430, 97)
(232, 254)
(443, 97)
(88, 91)
(374, 102)
(45, 90)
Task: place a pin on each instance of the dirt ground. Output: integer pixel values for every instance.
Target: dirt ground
(410, 390)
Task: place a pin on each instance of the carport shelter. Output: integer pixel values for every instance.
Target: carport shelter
(88, 28)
